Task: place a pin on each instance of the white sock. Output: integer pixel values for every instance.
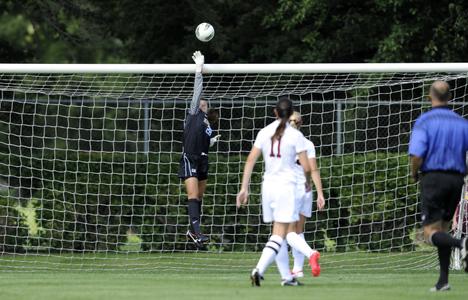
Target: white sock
(295, 241)
(271, 249)
(298, 257)
(282, 262)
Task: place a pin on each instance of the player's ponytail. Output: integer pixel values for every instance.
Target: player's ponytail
(284, 109)
(213, 116)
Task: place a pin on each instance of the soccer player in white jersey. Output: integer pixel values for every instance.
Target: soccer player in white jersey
(304, 194)
(280, 144)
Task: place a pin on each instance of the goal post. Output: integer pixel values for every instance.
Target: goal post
(89, 157)
(460, 227)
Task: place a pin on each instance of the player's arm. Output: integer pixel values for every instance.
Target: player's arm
(199, 60)
(416, 163)
(417, 149)
(317, 182)
(302, 156)
(213, 117)
(243, 196)
(214, 140)
(301, 152)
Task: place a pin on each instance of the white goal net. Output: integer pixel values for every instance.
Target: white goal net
(88, 167)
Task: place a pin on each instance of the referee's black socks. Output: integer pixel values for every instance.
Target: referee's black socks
(443, 239)
(194, 211)
(444, 262)
(444, 243)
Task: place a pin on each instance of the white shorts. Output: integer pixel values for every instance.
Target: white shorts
(279, 202)
(304, 200)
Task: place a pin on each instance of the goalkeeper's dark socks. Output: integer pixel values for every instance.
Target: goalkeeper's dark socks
(194, 215)
(199, 206)
(443, 239)
(444, 263)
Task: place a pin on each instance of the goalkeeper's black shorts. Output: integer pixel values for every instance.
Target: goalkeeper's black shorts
(440, 195)
(192, 165)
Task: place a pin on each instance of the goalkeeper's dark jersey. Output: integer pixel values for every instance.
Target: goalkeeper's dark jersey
(197, 133)
(197, 130)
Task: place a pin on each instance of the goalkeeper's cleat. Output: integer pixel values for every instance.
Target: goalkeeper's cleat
(203, 238)
(314, 263)
(464, 254)
(255, 277)
(292, 282)
(297, 274)
(193, 237)
(443, 288)
(197, 238)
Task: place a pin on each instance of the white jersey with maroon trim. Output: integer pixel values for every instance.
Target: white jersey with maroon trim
(280, 156)
(299, 171)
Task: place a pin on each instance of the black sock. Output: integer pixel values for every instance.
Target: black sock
(444, 263)
(194, 214)
(443, 239)
(199, 209)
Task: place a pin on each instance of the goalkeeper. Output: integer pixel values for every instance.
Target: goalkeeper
(193, 168)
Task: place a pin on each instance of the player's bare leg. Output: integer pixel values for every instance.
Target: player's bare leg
(201, 188)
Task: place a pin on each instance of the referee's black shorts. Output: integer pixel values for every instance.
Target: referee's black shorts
(192, 165)
(440, 194)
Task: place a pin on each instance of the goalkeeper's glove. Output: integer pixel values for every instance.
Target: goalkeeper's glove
(214, 140)
(199, 60)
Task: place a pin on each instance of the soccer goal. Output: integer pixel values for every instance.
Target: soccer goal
(460, 225)
(89, 157)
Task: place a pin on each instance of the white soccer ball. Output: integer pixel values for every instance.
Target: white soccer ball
(204, 32)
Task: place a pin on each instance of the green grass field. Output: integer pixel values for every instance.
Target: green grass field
(216, 276)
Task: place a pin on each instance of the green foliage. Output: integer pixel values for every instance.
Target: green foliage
(372, 202)
(378, 31)
(54, 32)
(29, 215)
(13, 229)
(91, 201)
(133, 243)
(149, 31)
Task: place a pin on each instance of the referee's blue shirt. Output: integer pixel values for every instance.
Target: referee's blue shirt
(440, 138)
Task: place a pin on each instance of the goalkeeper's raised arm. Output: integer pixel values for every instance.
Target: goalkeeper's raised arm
(198, 137)
(197, 104)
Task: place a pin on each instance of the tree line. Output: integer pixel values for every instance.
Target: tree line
(156, 31)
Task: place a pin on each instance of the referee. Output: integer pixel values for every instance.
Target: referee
(438, 146)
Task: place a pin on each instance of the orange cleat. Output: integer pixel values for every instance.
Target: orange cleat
(314, 263)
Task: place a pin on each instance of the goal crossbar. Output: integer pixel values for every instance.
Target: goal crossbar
(297, 68)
